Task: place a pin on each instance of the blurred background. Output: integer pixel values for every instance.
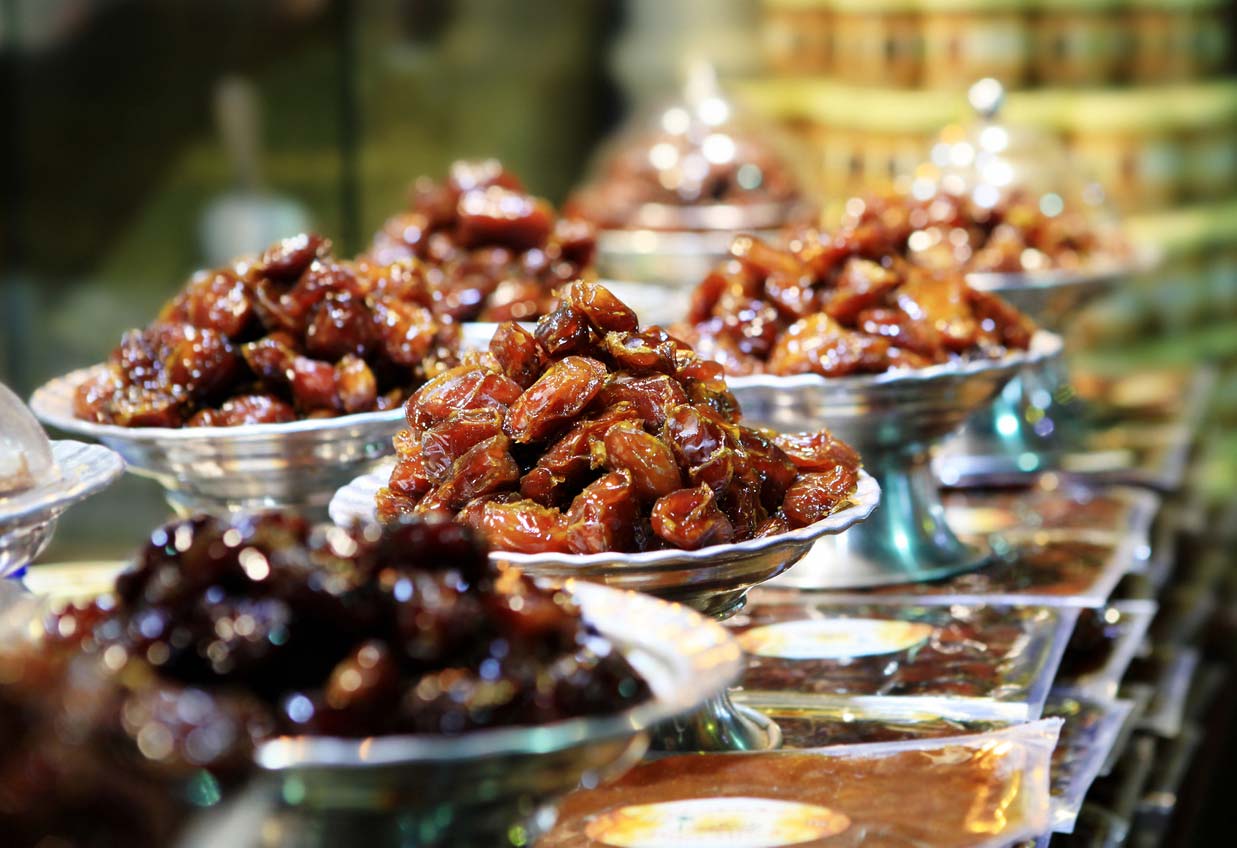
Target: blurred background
(145, 138)
(142, 139)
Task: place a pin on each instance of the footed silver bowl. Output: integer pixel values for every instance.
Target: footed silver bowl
(1026, 429)
(676, 258)
(498, 787)
(28, 518)
(495, 787)
(894, 420)
(297, 465)
(713, 580)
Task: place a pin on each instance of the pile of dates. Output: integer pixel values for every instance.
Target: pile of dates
(684, 170)
(488, 250)
(590, 434)
(295, 333)
(262, 624)
(1022, 232)
(132, 710)
(842, 304)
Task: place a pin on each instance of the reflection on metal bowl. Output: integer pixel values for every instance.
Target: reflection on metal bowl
(28, 518)
(894, 420)
(299, 464)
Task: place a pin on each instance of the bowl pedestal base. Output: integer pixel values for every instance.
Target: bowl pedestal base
(905, 540)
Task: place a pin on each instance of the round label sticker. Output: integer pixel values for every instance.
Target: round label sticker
(716, 823)
(834, 638)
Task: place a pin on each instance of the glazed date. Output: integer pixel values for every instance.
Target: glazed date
(565, 331)
(636, 353)
(560, 394)
(817, 451)
(523, 526)
(463, 387)
(599, 306)
(288, 259)
(651, 396)
(447, 441)
(604, 515)
(500, 216)
(817, 495)
(861, 285)
(355, 384)
(339, 326)
(648, 461)
(773, 467)
(313, 385)
(214, 300)
(690, 519)
(484, 468)
(518, 353)
(942, 303)
(818, 344)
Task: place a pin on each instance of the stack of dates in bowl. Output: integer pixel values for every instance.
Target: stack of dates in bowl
(839, 328)
(590, 448)
(258, 680)
(1004, 204)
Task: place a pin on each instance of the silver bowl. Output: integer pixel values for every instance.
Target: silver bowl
(1026, 430)
(499, 787)
(1053, 296)
(713, 580)
(894, 420)
(28, 518)
(677, 258)
(298, 465)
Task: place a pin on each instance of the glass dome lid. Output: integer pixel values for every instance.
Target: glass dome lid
(699, 162)
(999, 198)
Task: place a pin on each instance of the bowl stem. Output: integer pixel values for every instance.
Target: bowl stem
(719, 725)
(1027, 430)
(905, 540)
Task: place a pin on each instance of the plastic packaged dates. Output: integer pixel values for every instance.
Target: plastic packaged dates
(1000, 661)
(979, 791)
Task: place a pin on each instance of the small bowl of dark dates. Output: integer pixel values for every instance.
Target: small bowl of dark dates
(589, 447)
(371, 677)
(268, 382)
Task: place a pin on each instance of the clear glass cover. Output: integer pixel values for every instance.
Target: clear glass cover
(25, 452)
(998, 198)
(699, 162)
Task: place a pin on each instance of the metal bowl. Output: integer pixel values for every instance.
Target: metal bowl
(1051, 297)
(894, 420)
(299, 464)
(498, 787)
(677, 258)
(713, 580)
(28, 518)
(1024, 432)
